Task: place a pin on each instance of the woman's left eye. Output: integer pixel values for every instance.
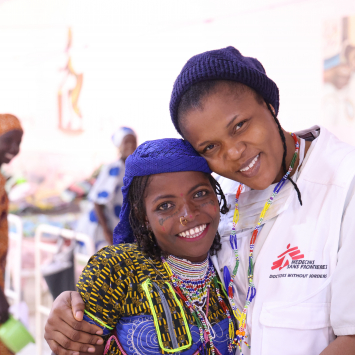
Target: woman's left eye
(200, 194)
(239, 126)
(165, 206)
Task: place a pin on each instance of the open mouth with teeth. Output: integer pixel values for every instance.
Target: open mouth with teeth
(195, 233)
(251, 164)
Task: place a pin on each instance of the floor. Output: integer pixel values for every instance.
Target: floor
(29, 299)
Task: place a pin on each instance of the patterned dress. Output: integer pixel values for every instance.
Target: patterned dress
(4, 243)
(112, 287)
(106, 191)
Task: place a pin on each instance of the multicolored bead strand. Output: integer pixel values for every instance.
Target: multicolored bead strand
(226, 311)
(241, 316)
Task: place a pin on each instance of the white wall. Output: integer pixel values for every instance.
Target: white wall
(130, 53)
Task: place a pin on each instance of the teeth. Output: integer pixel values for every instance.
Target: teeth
(251, 164)
(193, 232)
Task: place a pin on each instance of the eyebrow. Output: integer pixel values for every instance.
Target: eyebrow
(228, 125)
(200, 184)
(161, 197)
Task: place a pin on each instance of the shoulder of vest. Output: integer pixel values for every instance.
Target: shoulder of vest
(332, 161)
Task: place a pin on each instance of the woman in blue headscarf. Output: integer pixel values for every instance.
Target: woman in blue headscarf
(162, 294)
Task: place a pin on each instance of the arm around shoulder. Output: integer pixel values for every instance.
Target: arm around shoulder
(343, 345)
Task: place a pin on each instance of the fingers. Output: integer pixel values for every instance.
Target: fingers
(85, 327)
(67, 336)
(57, 349)
(63, 342)
(77, 305)
(66, 305)
(56, 330)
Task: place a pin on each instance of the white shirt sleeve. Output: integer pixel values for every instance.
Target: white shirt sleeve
(342, 313)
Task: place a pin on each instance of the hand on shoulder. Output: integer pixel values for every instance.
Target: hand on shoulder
(66, 334)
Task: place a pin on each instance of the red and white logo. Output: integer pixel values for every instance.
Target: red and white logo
(286, 258)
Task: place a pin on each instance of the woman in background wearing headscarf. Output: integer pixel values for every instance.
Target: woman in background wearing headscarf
(106, 193)
(10, 139)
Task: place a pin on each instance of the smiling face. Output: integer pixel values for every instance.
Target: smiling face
(238, 137)
(170, 196)
(10, 145)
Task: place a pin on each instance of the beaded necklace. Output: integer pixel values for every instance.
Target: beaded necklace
(194, 278)
(241, 316)
(194, 290)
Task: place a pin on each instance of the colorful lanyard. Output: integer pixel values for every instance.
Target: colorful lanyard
(241, 316)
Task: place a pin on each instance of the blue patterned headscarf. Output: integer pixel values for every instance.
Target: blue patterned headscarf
(167, 155)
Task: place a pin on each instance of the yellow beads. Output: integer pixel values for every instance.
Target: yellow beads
(241, 317)
(236, 215)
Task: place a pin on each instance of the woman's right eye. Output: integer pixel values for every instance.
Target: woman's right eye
(209, 147)
(165, 206)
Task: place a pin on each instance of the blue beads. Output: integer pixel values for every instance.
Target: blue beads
(226, 277)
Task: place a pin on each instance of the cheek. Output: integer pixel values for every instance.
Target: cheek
(212, 209)
(217, 165)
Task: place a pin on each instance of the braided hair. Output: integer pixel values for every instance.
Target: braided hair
(285, 152)
(145, 238)
(192, 99)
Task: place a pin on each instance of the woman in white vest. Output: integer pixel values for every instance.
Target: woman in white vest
(291, 222)
(288, 239)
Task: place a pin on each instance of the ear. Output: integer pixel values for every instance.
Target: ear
(272, 108)
(147, 224)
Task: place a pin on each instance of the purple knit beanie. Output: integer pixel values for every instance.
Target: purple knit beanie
(223, 64)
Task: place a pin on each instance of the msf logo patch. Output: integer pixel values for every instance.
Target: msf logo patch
(287, 257)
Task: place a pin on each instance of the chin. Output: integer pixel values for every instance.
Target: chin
(257, 183)
(259, 186)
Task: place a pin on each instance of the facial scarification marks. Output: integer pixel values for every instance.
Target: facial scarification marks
(210, 202)
(162, 220)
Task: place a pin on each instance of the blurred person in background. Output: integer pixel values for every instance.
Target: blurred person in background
(10, 139)
(106, 195)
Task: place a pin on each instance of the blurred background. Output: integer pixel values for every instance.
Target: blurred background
(75, 71)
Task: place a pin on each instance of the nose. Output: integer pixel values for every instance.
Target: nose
(189, 212)
(235, 151)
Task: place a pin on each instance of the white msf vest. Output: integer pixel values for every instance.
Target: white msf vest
(291, 311)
